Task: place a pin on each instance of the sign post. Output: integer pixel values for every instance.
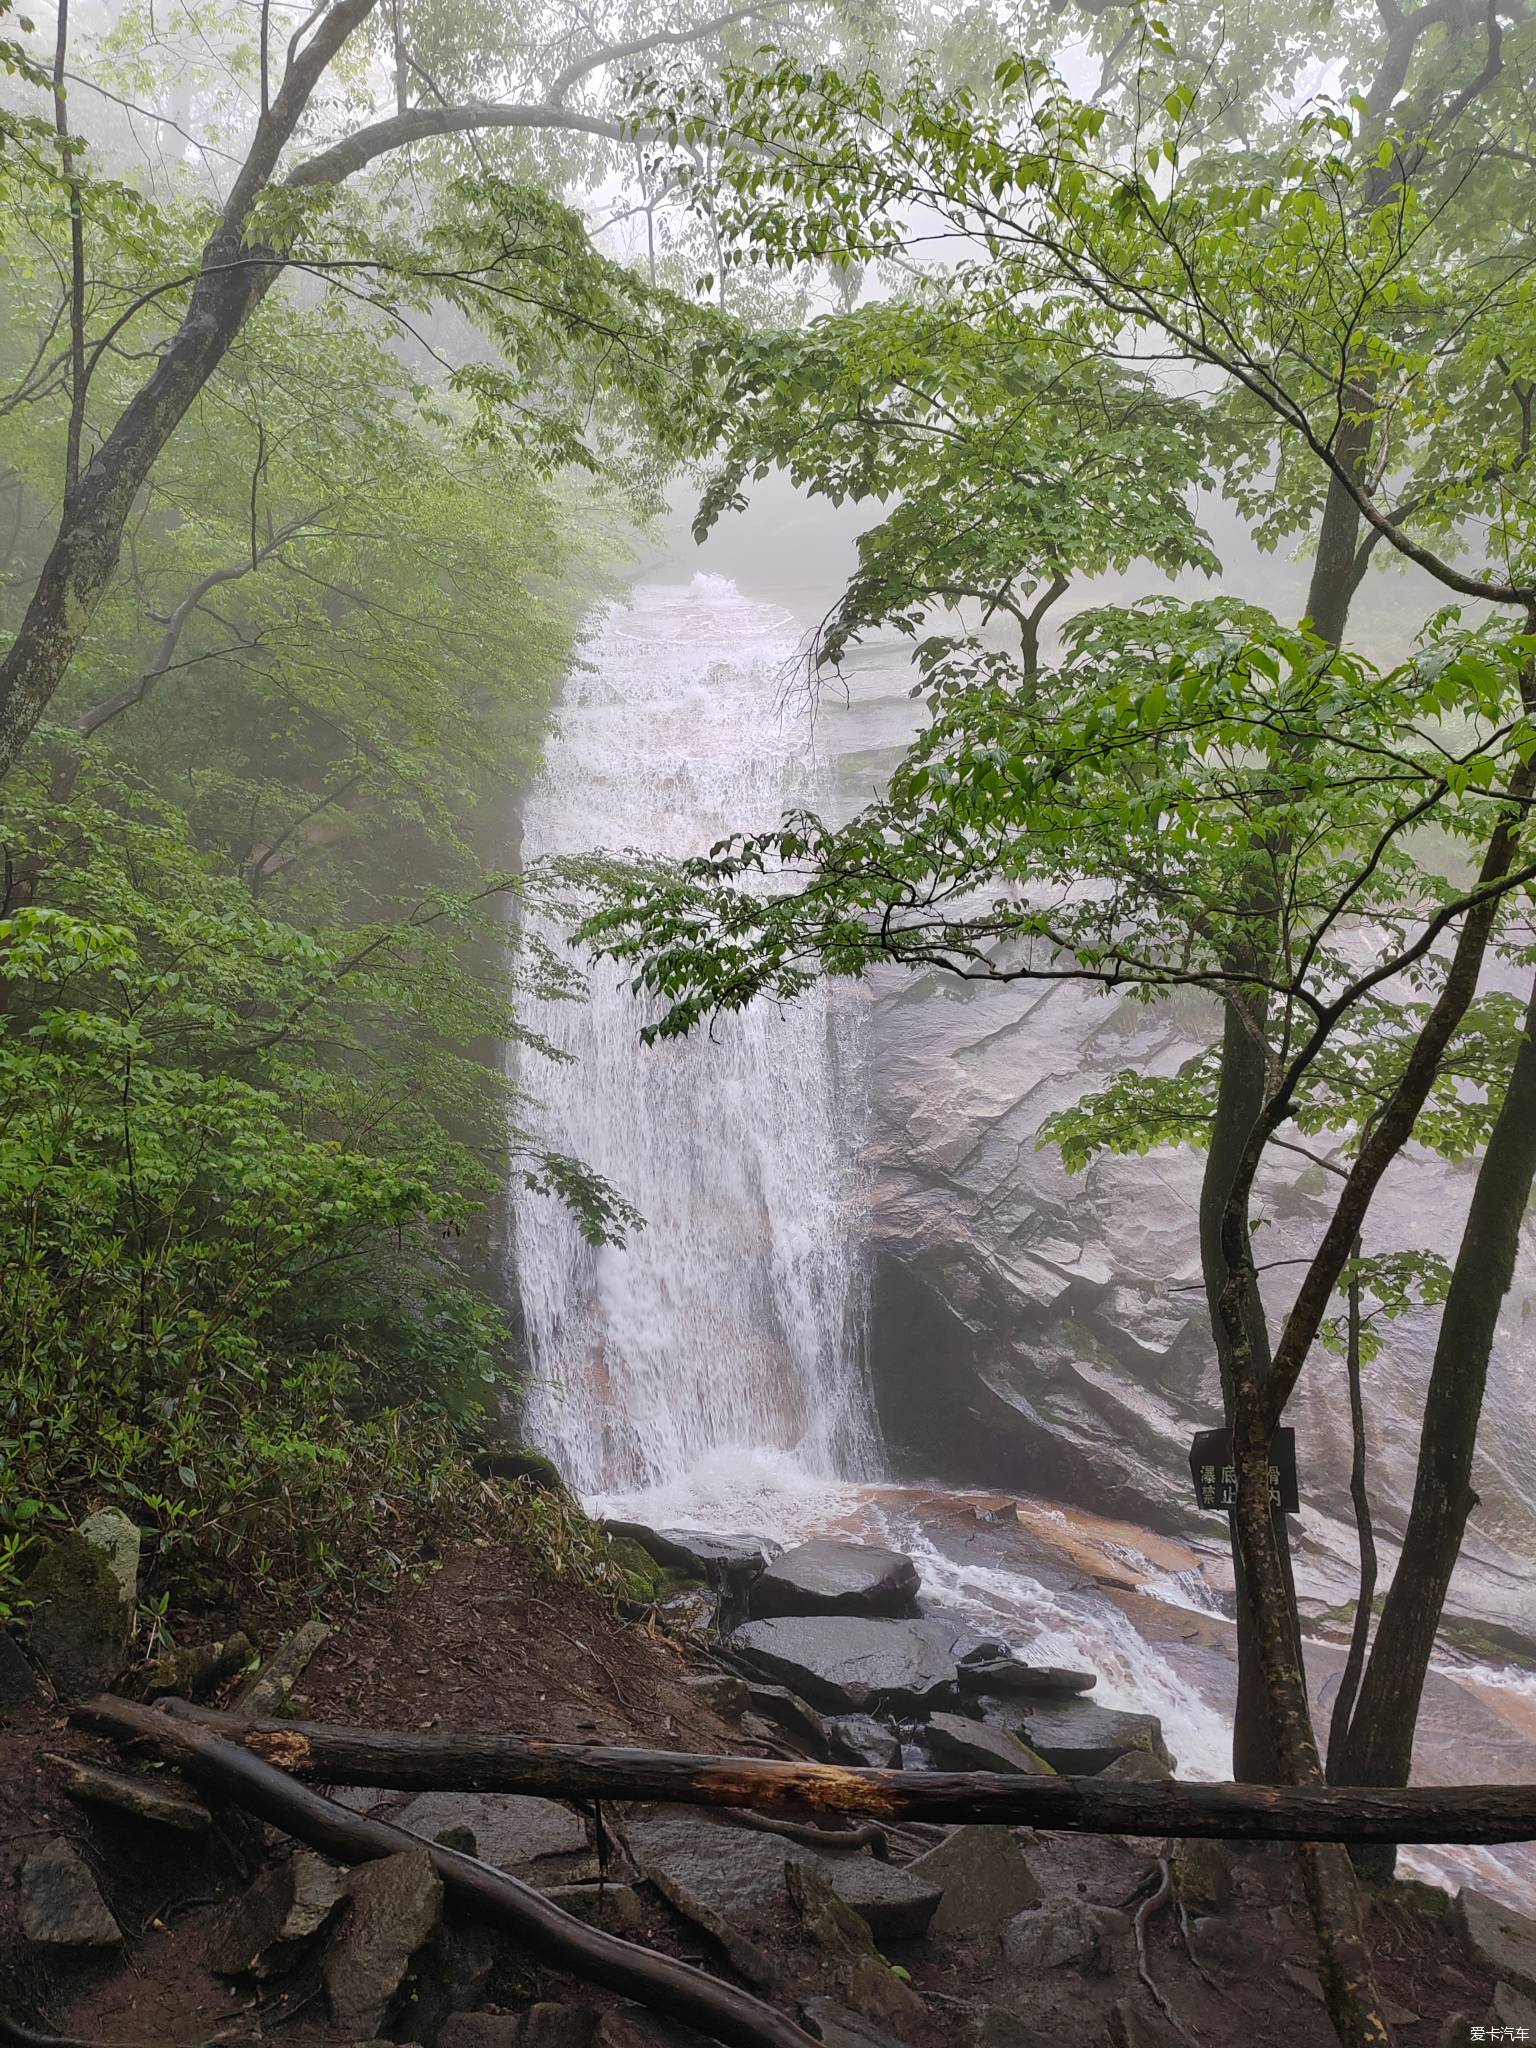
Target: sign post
(1215, 1474)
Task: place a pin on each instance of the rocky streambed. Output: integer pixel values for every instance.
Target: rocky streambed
(133, 1909)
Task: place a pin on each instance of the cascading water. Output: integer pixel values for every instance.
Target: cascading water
(729, 1331)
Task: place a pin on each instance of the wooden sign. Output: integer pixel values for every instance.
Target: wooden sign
(1215, 1475)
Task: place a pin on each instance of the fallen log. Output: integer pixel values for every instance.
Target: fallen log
(1094, 1806)
(667, 1986)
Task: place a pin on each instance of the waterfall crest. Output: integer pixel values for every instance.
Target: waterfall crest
(731, 1329)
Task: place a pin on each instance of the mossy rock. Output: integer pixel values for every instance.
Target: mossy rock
(79, 1620)
(519, 1462)
(646, 1581)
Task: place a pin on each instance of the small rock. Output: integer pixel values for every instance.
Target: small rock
(61, 1903)
(1500, 1940)
(693, 1609)
(835, 2027)
(618, 1907)
(787, 1712)
(19, 1685)
(458, 1837)
(196, 1669)
(831, 1923)
(1127, 2028)
(144, 1798)
(1079, 1738)
(501, 2030)
(829, 1577)
(79, 1624)
(722, 1691)
(270, 1924)
(1067, 1931)
(1002, 1514)
(897, 1904)
(271, 1690)
(1138, 1764)
(956, 1744)
(1203, 1873)
(118, 1540)
(860, 1740)
(397, 1905)
(985, 1879)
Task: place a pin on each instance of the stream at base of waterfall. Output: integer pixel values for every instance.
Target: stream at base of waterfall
(712, 1372)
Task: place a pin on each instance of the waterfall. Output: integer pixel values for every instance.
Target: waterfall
(730, 1330)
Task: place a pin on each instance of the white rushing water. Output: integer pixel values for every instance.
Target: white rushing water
(731, 1327)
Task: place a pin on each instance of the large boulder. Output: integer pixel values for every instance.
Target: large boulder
(958, 1744)
(272, 1923)
(80, 1621)
(830, 1577)
(730, 1560)
(861, 1740)
(1064, 1932)
(850, 1664)
(1079, 1739)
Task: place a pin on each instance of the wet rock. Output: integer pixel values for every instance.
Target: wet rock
(1079, 1738)
(274, 1921)
(1498, 1939)
(860, 1740)
(956, 1744)
(61, 1902)
(1139, 1764)
(849, 1663)
(1003, 1677)
(79, 1623)
(20, 1689)
(1203, 1872)
(674, 1551)
(734, 1873)
(118, 1540)
(396, 1908)
(791, 1715)
(730, 1561)
(1066, 1931)
(694, 1609)
(271, 1690)
(536, 1839)
(145, 1798)
(829, 1577)
(721, 1691)
(522, 1463)
(985, 1879)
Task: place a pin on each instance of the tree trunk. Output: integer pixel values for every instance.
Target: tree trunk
(232, 280)
(408, 1761)
(1379, 1748)
(1241, 1090)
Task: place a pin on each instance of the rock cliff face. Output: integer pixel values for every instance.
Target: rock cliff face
(1047, 1333)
